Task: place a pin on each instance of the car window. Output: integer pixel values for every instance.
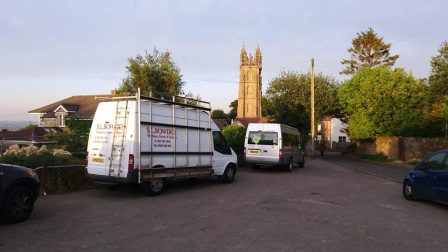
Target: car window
(436, 161)
(220, 144)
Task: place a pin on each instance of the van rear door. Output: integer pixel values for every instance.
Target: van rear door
(263, 146)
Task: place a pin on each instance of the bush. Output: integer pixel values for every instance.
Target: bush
(235, 135)
(33, 157)
(349, 149)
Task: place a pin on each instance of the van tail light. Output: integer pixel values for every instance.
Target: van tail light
(131, 162)
(244, 152)
(280, 154)
(86, 160)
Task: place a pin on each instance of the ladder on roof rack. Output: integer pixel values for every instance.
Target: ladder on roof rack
(118, 138)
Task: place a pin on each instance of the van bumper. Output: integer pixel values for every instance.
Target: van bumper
(131, 178)
(263, 161)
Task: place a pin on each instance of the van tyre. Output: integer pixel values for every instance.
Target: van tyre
(302, 163)
(18, 205)
(229, 174)
(154, 187)
(290, 166)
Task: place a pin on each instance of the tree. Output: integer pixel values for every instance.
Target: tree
(382, 102)
(218, 114)
(233, 110)
(156, 72)
(288, 99)
(368, 50)
(235, 135)
(438, 79)
(437, 101)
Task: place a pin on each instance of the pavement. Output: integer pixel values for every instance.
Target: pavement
(391, 170)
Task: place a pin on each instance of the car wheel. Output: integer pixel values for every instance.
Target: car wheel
(408, 191)
(18, 205)
(229, 174)
(302, 163)
(254, 166)
(154, 186)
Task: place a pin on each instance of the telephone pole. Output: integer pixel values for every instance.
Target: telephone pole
(312, 108)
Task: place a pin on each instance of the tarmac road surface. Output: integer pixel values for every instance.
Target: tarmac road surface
(327, 206)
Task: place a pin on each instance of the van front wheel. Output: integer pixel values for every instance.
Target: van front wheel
(154, 186)
(229, 174)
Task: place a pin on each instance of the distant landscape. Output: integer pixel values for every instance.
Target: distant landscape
(15, 125)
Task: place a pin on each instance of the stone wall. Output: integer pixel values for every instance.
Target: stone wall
(406, 149)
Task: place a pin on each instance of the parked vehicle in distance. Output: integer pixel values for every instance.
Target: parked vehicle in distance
(19, 188)
(273, 144)
(429, 179)
(148, 141)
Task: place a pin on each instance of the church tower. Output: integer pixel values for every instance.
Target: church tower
(249, 94)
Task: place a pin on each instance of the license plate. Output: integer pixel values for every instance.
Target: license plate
(98, 160)
(254, 151)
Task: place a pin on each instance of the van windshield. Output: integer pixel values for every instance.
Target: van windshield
(263, 138)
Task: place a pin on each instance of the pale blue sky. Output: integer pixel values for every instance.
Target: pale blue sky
(50, 50)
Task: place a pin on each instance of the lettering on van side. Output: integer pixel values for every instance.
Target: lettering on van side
(161, 137)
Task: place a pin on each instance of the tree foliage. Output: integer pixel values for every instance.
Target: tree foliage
(233, 110)
(218, 114)
(235, 134)
(382, 102)
(438, 79)
(368, 50)
(288, 99)
(156, 72)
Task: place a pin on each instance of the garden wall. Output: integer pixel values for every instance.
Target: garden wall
(406, 149)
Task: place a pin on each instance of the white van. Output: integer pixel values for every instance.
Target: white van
(273, 144)
(148, 140)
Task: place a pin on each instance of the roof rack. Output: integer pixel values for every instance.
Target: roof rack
(151, 96)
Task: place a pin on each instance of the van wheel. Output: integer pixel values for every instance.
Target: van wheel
(290, 165)
(229, 174)
(254, 166)
(302, 163)
(154, 187)
(18, 205)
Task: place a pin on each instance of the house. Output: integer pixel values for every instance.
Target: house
(221, 123)
(334, 132)
(245, 121)
(27, 136)
(80, 107)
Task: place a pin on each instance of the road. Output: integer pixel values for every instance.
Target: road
(327, 206)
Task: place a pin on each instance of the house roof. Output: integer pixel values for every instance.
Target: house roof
(221, 123)
(24, 134)
(84, 107)
(245, 121)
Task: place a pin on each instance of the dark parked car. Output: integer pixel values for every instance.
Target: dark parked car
(19, 187)
(429, 179)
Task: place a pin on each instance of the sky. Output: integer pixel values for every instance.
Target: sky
(51, 50)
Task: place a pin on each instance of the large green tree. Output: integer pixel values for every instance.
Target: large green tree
(437, 99)
(382, 102)
(235, 134)
(368, 50)
(288, 99)
(156, 72)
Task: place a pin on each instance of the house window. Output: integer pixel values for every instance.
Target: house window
(342, 139)
(61, 122)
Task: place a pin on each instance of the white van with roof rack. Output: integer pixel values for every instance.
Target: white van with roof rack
(273, 144)
(148, 141)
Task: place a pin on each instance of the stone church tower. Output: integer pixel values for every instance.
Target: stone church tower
(249, 94)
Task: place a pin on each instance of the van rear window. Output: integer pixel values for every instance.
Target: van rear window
(263, 138)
